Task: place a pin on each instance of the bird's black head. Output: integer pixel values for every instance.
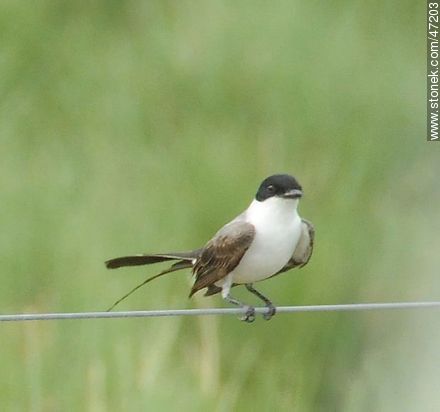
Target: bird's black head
(284, 186)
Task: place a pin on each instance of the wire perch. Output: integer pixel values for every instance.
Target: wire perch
(217, 311)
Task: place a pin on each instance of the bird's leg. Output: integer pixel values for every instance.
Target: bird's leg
(249, 315)
(271, 309)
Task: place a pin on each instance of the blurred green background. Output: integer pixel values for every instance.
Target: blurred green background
(135, 126)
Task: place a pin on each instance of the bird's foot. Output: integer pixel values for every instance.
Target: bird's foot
(271, 310)
(249, 315)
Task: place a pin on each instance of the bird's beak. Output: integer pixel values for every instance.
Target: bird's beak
(293, 194)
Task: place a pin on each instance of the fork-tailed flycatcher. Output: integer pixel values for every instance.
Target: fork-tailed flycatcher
(268, 238)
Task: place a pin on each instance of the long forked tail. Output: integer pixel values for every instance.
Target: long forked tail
(185, 260)
(137, 260)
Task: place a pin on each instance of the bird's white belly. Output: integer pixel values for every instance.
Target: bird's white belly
(271, 249)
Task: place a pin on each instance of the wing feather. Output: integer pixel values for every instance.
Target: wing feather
(222, 254)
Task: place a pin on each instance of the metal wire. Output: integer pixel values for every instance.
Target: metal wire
(217, 311)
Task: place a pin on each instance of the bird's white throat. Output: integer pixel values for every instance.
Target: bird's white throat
(273, 210)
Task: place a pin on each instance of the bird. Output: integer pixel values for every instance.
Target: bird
(267, 239)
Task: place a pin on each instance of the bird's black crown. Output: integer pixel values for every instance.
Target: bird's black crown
(278, 185)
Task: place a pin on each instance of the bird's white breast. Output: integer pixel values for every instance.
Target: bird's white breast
(277, 232)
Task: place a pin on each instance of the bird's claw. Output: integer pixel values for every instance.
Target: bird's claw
(271, 310)
(249, 315)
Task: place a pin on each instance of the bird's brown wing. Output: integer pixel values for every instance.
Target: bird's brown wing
(222, 254)
(304, 249)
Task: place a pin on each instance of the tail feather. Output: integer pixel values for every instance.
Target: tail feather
(182, 264)
(137, 260)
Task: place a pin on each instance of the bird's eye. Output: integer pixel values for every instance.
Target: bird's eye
(271, 188)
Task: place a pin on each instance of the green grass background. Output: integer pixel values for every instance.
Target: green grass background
(139, 126)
